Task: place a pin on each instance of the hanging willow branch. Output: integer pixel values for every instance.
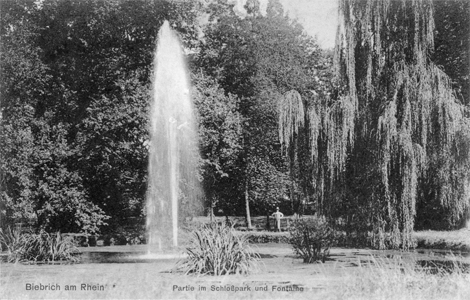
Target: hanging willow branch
(291, 118)
(315, 126)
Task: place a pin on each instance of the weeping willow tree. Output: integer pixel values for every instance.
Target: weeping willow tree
(396, 135)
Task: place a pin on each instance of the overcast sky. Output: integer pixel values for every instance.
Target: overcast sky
(319, 18)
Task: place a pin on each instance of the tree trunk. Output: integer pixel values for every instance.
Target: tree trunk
(291, 175)
(211, 211)
(247, 203)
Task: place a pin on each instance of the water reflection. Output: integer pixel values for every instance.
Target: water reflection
(124, 257)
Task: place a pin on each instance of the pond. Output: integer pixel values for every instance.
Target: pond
(432, 261)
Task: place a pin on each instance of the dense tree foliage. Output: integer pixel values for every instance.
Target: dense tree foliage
(452, 41)
(258, 59)
(220, 141)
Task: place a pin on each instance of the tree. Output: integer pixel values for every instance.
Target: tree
(38, 186)
(258, 59)
(220, 141)
(396, 119)
(61, 203)
(113, 156)
(23, 81)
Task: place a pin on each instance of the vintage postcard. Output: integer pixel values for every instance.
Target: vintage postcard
(235, 149)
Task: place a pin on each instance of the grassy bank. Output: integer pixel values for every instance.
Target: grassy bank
(397, 279)
(446, 240)
(449, 240)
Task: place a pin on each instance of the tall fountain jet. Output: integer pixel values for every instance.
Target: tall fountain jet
(173, 143)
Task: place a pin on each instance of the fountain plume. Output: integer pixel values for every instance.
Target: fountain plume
(173, 143)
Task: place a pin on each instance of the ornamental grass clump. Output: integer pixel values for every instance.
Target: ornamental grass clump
(311, 239)
(215, 249)
(41, 247)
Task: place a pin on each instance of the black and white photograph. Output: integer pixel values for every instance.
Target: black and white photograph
(235, 149)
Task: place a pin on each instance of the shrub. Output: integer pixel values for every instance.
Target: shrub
(38, 247)
(215, 249)
(128, 235)
(311, 239)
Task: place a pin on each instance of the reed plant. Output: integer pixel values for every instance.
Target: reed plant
(11, 241)
(215, 249)
(41, 247)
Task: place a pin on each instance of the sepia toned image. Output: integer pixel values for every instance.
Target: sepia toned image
(235, 149)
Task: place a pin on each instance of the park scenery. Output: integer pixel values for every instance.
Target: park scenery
(220, 149)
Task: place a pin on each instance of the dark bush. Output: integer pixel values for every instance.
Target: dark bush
(311, 239)
(267, 237)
